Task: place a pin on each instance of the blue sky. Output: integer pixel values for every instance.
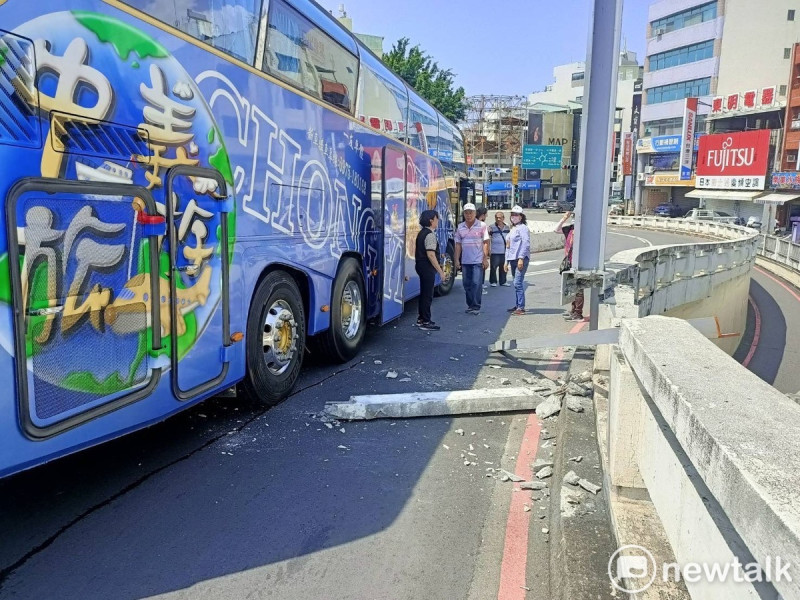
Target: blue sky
(494, 46)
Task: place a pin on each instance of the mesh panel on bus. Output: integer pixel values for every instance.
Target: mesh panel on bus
(19, 101)
(83, 263)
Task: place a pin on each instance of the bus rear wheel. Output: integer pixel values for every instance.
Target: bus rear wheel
(343, 339)
(276, 339)
(450, 273)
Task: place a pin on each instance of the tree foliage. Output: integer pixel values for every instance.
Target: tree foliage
(422, 73)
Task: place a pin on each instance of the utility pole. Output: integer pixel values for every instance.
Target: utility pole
(594, 159)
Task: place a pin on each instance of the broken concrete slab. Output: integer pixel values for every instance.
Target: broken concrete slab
(545, 473)
(391, 375)
(541, 463)
(575, 389)
(574, 404)
(532, 485)
(513, 477)
(571, 478)
(589, 486)
(428, 404)
(582, 377)
(548, 408)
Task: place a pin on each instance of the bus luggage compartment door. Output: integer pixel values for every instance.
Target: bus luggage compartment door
(198, 251)
(393, 175)
(87, 331)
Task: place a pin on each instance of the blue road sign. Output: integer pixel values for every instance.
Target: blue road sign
(535, 156)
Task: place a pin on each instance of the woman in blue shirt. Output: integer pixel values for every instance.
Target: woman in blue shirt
(518, 254)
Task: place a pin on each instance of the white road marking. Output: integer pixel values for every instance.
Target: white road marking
(533, 273)
(636, 237)
(537, 263)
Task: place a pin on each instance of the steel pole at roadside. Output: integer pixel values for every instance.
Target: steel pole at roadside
(594, 154)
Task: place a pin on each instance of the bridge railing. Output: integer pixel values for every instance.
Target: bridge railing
(699, 453)
(780, 250)
(662, 278)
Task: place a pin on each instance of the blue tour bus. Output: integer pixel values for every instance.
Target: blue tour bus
(193, 198)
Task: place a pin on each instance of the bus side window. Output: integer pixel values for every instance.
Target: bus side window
(231, 27)
(302, 54)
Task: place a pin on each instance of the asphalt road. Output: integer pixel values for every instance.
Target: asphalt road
(227, 500)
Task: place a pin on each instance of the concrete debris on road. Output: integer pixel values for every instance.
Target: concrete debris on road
(459, 431)
(526, 508)
(378, 362)
(576, 459)
(589, 486)
(430, 404)
(532, 485)
(582, 377)
(495, 367)
(391, 375)
(504, 478)
(340, 447)
(404, 379)
(512, 476)
(575, 389)
(571, 478)
(548, 408)
(544, 473)
(505, 381)
(574, 404)
(541, 463)
(545, 530)
(453, 358)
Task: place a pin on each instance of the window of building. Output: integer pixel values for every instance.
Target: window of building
(679, 91)
(787, 53)
(671, 126)
(231, 26)
(686, 18)
(578, 76)
(302, 54)
(790, 15)
(781, 90)
(682, 56)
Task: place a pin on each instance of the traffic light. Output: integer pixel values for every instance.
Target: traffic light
(516, 194)
(490, 177)
(514, 175)
(569, 167)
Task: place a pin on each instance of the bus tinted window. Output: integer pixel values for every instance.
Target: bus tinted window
(230, 26)
(382, 98)
(301, 53)
(423, 124)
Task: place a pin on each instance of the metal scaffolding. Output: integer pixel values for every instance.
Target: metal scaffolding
(494, 128)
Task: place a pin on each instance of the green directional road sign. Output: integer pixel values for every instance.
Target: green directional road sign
(535, 156)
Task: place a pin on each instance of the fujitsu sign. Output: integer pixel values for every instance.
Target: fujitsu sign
(724, 159)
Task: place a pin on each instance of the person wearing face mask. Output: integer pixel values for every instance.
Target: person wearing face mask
(518, 254)
(498, 232)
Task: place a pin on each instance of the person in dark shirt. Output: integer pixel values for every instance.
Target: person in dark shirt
(427, 266)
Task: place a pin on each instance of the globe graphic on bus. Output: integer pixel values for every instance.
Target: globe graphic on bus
(112, 81)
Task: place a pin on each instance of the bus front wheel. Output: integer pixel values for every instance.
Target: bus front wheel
(276, 339)
(342, 341)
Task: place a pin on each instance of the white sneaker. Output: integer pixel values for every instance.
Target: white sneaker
(485, 293)
(486, 287)
(506, 284)
(493, 284)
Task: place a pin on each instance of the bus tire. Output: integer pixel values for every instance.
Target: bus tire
(276, 339)
(343, 339)
(449, 269)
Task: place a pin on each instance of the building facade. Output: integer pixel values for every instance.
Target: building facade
(734, 56)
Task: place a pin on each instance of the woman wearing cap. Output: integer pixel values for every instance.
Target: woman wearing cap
(518, 254)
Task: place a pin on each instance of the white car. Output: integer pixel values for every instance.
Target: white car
(701, 214)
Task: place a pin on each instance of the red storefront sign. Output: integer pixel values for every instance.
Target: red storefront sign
(627, 153)
(733, 160)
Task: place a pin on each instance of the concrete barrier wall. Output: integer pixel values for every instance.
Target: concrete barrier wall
(715, 448)
(709, 279)
(695, 442)
(781, 257)
(543, 236)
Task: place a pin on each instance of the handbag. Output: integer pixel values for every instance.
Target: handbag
(566, 265)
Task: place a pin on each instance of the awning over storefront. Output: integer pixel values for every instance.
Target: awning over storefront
(776, 198)
(723, 194)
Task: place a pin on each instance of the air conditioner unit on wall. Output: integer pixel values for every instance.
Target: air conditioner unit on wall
(649, 170)
(640, 177)
(659, 31)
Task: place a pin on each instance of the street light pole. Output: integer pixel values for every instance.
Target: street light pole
(594, 158)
